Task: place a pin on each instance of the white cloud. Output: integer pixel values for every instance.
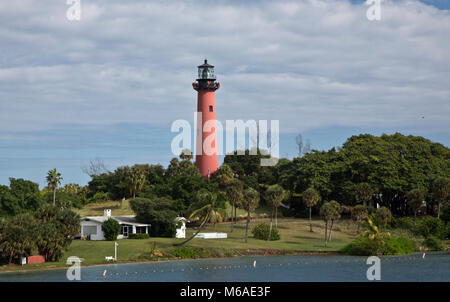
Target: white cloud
(309, 63)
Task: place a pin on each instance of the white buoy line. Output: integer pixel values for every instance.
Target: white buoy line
(205, 268)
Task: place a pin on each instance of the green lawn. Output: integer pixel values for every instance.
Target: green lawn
(96, 209)
(295, 237)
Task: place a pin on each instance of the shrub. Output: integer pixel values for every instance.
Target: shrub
(382, 217)
(385, 246)
(138, 236)
(398, 246)
(362, 247)
(431, 226)
(184, 252)
(100, 197)
(406, 223)
(433, 244)
(261, 231)
(111, 229)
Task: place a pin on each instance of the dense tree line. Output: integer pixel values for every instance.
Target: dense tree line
(388, 166)
(366, 170)
(19, 197)
(179, 182)
(23, 196)
(48, 232)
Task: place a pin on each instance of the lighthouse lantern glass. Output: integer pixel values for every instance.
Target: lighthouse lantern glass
(206, 73)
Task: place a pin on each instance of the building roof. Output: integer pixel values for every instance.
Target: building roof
(181, 219)
(131, 220)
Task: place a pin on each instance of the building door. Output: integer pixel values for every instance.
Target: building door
(125, 230)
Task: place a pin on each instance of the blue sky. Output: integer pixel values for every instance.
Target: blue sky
(111, 84)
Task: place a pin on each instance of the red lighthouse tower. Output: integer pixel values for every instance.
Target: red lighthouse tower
(206, 145)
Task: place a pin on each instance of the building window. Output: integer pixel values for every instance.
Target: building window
(141, 230)
(210, 108)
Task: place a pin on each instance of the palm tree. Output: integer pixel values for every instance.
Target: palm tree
(330, 211)
(73, 189)
(363, 193)
(230, 186)
(310, 197)
(53, 180)
(325, 214)
(224, 176)
(359, 212)
(249, 203)
(234, 192)
(382, 217)
(209, 212)
(136, 178)
(335, 215)
(274, 196)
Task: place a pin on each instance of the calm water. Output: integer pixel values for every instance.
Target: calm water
(434, 267)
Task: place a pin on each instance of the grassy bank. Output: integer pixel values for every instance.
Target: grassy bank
(123, 208)
(96, 209)
(295, 238)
